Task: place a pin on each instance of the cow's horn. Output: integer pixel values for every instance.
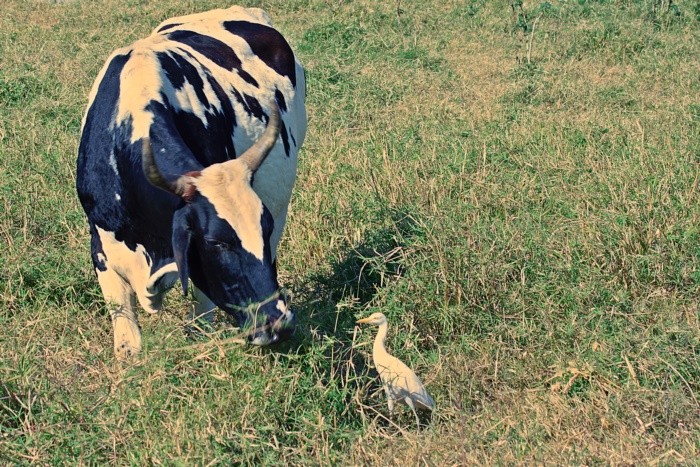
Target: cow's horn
(150, 169)
(256, 154)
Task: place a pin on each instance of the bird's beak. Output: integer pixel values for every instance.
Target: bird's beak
(362, 321)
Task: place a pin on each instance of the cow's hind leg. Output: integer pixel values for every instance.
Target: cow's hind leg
(121, 299)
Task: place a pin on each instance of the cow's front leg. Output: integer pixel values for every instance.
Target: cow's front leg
(201, 316)
(121, 299)
(127, 332)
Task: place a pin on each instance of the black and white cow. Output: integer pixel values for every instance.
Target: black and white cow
(186, 164)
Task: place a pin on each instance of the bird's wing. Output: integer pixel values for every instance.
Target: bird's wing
(403, 382)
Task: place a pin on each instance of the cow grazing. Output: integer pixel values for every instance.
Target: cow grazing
(186, 164)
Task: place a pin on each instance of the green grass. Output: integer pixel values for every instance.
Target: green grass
(531, 228)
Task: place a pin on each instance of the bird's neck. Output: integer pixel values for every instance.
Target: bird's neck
(379, 340)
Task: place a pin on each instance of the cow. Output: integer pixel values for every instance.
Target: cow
(186, 163)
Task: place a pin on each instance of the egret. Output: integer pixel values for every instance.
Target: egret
(400, 382)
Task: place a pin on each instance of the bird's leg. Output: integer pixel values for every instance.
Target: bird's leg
(390, 400)
(409, 402)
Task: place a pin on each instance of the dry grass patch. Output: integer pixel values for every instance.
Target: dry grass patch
(481, 78)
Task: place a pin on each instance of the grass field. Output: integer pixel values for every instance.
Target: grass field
(516, 190)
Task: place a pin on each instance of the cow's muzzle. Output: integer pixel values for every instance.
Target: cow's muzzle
(275, 330)
(269, 320)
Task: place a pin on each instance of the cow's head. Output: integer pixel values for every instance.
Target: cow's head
(221, 238)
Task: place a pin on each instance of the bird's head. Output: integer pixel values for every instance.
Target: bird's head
(375, 318)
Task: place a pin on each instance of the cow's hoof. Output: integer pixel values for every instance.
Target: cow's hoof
(127, 338)
(125, 351)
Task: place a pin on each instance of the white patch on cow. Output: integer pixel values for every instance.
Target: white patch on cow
(98, 81)
(113, 162)
(119, 295)
(282, 307)
(167, 276)
(158, 283)
(227, 187)
(266, 77)
(117, 197)
(261, 340)
(254, 15)
(273, 183)
(140, 83)
(187, 99)
(127, 332)
(132, 267)
(211, 96)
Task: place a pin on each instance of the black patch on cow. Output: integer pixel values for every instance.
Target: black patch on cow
(169, 26)
(212, 48)
(171, 68)
(178, 70)
(225, 277)
(140, 216)
(239, 98)
(213, 143)
(281, 103)
(226, 120)
(268, 45)
(184, 139)
(250, 104)
(96, 249)
(186, 134)
(294, 140)
(246, 77)
(96, 139)
(285, 138)
(215, 50)
(99, 115)
(253, 106)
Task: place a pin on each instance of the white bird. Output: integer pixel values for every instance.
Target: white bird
(400, 382)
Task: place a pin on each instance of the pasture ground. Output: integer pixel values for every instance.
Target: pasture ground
(517, 192)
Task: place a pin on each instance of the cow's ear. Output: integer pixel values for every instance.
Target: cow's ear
(182, 236)
(186, 188)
